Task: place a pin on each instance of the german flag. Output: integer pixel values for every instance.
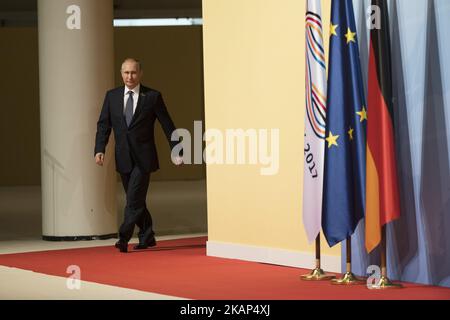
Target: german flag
(382, 196)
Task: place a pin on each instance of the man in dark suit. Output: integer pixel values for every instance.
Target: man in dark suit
(131, 111)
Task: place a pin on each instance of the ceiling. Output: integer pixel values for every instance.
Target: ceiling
(24, 12)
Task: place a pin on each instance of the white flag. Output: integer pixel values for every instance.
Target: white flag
(315, 116)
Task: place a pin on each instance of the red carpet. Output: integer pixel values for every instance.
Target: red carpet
(181, 268)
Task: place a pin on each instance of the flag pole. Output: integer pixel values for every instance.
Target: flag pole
(384, 282)
(317, 274)
(348, 278)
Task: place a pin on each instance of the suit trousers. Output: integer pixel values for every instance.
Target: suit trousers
(136, 185)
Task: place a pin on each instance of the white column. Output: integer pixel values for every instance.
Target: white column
(76, 67)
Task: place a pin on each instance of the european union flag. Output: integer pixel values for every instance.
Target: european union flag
(345, 150)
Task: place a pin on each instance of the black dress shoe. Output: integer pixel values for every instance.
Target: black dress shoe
(141, 246)
(122, 246)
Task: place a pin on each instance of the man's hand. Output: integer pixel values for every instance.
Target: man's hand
(177, 160)
(99, 158)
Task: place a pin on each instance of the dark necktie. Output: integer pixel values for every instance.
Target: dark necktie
(129, 108)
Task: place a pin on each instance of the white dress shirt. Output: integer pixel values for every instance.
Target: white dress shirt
(135, 97)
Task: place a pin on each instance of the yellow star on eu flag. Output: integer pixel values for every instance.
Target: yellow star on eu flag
(350, 36)
(333, 28)
(350, 133)
(332, 140)
(362, 114)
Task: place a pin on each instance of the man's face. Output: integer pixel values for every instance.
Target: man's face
(131, 74)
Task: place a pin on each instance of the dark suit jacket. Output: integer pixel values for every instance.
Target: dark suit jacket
(136, 142)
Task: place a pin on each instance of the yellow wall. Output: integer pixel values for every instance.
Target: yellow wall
(172, 58)
(254, 78)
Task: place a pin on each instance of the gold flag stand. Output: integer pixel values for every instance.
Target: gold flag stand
(384, 282)
(317, 274)
(348, 278)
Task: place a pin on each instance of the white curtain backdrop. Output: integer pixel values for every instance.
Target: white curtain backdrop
(418, 243)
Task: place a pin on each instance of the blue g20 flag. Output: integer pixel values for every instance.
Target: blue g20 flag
(345, 148)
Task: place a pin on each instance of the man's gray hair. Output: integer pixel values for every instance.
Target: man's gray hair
(132, 60)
